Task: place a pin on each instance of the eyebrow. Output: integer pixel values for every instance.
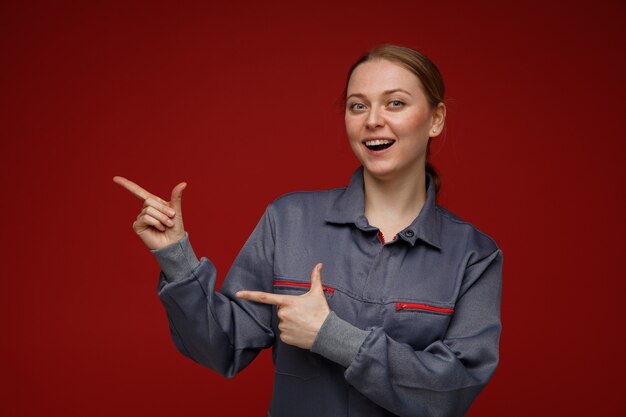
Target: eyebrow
(385, 93)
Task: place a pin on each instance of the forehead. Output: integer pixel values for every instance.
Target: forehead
(380, 75)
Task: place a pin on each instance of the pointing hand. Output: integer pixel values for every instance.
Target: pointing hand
(160, 222)
(301, 316)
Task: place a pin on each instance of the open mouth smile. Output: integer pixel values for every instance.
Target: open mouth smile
(378, 144)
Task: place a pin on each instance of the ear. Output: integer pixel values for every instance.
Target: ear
(438, 120)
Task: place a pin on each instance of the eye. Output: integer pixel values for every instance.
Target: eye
(356, 106)
(396, 103)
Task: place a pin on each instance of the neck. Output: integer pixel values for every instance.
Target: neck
(393, 200)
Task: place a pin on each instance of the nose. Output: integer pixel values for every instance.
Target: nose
(374, 119)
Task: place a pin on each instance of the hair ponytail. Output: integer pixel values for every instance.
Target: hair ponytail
(430, 169)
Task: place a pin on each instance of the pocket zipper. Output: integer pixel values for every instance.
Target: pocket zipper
(280, 283)
(424, 307)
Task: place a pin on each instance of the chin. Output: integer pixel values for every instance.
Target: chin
(380, 170)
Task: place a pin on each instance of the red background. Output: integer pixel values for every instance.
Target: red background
(240, 100)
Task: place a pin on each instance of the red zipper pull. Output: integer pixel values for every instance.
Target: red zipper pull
(424, 307)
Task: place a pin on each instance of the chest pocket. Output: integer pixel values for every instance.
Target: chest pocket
(291, 360)
(418, 324)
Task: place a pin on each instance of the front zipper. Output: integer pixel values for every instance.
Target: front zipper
(424, 307)
(279, 283)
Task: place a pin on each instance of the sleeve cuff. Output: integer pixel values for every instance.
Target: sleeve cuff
(177, 260)
(338, 340)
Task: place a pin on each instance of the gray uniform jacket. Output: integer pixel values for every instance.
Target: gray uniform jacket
(415, 322)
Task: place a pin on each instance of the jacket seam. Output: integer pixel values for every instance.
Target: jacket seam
(446, 304)
(210, 307)
(444, 212)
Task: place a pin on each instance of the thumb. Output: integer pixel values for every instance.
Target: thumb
(316, 279)
(177, 196)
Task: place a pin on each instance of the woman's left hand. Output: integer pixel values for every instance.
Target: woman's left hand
(301, 316)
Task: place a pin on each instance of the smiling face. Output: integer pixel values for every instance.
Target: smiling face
(389, 120)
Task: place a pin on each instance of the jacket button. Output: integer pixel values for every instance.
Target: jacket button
(409, 233)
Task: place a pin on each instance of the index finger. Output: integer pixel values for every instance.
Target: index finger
(132, 187)
(264, 297)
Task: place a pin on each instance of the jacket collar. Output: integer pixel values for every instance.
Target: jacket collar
(350, 208)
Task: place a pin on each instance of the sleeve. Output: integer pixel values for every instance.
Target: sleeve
(444, 378)
(176, 260)
(216, 329)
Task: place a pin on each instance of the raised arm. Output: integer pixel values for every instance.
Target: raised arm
(216, 329)
(212, 328)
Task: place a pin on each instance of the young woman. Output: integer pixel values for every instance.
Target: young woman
(406, 318)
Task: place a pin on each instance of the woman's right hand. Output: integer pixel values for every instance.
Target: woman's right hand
(160, 222)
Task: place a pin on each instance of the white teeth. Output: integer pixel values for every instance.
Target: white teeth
(378, 142)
